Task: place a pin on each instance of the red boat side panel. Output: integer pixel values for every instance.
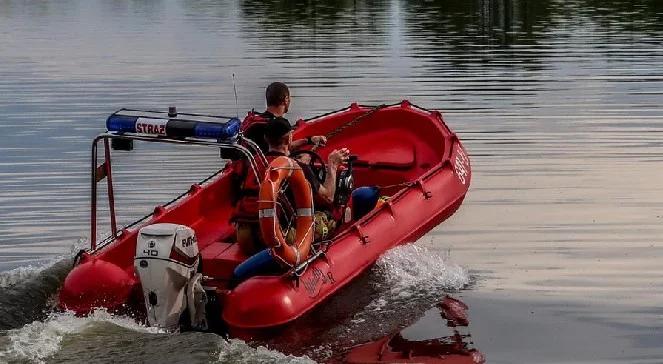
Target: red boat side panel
(96, 283)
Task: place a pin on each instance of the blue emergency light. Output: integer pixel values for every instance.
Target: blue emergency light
(184, 125)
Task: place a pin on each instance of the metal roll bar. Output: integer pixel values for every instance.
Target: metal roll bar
(99, 172)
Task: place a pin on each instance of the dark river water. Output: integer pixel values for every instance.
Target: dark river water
(556, 250)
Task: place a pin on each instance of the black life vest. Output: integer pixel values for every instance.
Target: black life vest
(253, 127)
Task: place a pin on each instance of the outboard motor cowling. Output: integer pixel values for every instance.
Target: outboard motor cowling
(167, 261)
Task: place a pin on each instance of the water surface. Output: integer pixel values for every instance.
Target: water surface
(558, 103)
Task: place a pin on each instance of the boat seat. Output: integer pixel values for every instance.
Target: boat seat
(220, 259)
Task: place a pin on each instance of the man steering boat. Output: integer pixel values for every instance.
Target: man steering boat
(278, 142)
(277, 97)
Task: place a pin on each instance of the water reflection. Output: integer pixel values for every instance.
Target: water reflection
(641, 16)
(409, 346)
(316, 29)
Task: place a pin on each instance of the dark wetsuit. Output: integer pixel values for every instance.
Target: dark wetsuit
(268, 115)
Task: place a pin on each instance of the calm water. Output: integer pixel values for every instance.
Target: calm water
(556, 249)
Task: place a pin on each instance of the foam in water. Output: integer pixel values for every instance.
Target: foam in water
(19, 275)
(407, 280)
(408, 271)
(237, 351)
(41, 339)
(407, 277)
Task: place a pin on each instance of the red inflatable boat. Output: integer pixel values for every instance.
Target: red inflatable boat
(181, 258)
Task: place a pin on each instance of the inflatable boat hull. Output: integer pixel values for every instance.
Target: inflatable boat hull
(405, 150)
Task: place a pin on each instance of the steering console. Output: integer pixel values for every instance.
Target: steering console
(344, 179)
(316, 163)
(345, 183)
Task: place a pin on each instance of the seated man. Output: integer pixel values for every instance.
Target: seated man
(277, 96)
(278, 135)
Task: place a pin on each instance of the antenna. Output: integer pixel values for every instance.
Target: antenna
(235, 89)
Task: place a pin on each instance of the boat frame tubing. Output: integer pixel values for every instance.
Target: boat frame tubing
(234, 145)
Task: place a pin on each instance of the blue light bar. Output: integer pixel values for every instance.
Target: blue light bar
(121, 123)
(217, 131)
(159, 124)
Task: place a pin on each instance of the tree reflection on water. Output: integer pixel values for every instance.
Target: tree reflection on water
(486, 29)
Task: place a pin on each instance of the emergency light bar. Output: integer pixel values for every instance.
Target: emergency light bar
(173, 125)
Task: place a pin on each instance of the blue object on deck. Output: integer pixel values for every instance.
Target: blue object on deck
(258, 263)
(364, 199)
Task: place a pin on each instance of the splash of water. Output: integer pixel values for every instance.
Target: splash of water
(405, 282)
(411, 271)
(407, 279)
(26, 293)
(237, 351)
(39, 340)
(64, 337)
(20, 275)
(15, 276)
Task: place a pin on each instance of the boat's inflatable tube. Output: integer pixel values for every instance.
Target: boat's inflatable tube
(96, 283)
(280, 170)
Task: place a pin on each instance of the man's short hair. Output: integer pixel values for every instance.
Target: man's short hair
(276, 131)
(276, 93)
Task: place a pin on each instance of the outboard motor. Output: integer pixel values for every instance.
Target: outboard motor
(167, 263)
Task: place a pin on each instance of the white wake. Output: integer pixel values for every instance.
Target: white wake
(39, 340)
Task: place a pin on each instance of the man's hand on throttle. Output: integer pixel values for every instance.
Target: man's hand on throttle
(337, 157)
(319, 140)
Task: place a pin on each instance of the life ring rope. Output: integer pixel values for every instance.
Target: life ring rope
(284, 171)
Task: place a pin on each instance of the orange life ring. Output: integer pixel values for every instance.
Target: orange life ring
(280, 170)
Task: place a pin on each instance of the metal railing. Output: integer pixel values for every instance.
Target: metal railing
(103, 171)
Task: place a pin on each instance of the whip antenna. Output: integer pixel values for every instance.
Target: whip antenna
(235, 90)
